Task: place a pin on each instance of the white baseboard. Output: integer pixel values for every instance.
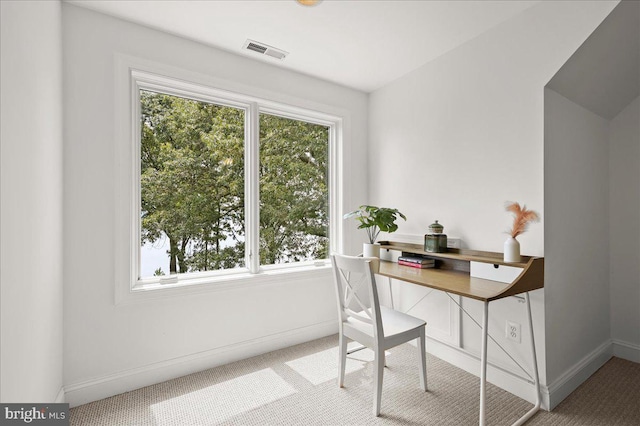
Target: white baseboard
(60, 398)
(124, 381)
(576, 375)
(626, 350)
(516, 384)
(512, 382)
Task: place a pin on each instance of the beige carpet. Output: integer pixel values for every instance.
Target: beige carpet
(611, 396)
(297, 386)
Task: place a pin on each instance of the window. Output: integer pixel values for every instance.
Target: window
(228, 184)
(294, 197)
(191, 185)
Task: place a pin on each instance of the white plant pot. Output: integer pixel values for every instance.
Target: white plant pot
(371, 250)
(511, 250)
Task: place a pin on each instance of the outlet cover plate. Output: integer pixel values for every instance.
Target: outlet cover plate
(513, 331)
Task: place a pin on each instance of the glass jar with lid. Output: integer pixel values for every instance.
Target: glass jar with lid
(435, 241)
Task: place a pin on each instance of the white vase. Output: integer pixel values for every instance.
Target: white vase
(371, 250)
(511, 250)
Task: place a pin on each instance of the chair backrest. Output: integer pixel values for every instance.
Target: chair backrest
(356, 290)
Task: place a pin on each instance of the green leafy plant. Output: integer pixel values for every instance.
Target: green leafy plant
(375, 219)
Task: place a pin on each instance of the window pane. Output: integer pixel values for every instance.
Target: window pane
(294, 195)
(192, 185)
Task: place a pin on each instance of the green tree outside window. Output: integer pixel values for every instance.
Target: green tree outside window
(192, 186)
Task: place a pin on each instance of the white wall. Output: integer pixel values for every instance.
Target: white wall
(109, 348)
(31, 200)
(576, 235)
(464, 133)
(624, 217)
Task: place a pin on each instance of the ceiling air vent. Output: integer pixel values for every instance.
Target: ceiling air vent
(264, 49)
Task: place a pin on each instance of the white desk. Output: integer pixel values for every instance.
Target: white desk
(451, 275)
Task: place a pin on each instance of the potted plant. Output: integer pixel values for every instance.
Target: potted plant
(374, 220)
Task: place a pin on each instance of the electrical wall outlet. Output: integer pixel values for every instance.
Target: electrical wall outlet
(512, 331)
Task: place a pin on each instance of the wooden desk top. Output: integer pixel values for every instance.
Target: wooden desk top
(461, 283)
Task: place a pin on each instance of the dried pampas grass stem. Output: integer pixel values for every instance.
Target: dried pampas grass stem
(521, 218)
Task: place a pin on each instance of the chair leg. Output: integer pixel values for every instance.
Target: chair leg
(422, 357)
(377, 380)
(342, 362)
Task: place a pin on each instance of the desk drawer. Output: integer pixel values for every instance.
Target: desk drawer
(390, 255)
(501, 273)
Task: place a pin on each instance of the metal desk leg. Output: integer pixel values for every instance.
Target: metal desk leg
(536, 378)
(483, 367)
(483, 363)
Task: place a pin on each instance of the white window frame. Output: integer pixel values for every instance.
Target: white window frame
(136, 78)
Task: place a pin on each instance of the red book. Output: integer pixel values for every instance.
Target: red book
(415, 265)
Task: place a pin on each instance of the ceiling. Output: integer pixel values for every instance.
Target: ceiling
(360, 44)
(603, 75)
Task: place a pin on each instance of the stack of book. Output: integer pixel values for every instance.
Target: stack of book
(416, 262)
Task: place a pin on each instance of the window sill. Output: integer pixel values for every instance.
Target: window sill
(148, 291)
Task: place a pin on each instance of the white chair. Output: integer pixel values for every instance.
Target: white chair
(363, 319)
